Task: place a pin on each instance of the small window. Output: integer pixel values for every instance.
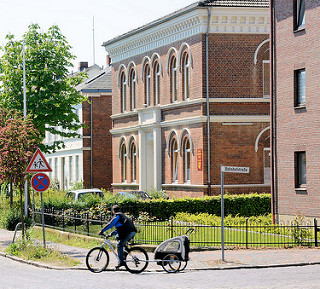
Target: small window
(300, 87)
(187, 160)
(300, 169)
(133, 163)
(133, 89)
(173, 79)
(147, 85)
(123, 92)
(174, 160)
(299, 19)
(157, 83)
(186, 76)
(123, 163)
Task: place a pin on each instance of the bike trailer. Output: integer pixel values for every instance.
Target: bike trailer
(180, 246)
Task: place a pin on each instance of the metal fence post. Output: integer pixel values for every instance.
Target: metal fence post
(63, 219)
(171, 225)
(315, 232)
(88, 228)
(75, 221)
(247, 233)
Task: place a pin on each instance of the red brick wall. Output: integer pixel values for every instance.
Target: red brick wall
(102, 152)
(233, 74)
(297, 129)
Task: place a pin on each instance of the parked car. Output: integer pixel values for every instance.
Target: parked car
(78, 195)
(135, 195)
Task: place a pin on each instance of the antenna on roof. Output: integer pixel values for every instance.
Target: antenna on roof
(94, 52)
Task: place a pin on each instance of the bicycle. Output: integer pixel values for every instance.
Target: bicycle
(136, 258)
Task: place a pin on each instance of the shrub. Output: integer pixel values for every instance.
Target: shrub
(11, 218)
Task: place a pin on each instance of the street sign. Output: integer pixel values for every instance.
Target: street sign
(227, 169)
(239, 170)
(38, 163)
(40, 182)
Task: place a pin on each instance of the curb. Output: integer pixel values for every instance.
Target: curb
(46, 266)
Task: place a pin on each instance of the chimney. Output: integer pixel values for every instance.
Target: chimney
(83, 65)
(108, 60)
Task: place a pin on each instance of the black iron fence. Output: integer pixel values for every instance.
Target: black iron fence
(245, 235)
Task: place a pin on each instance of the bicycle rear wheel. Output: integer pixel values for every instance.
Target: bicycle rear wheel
(97, 259)
(136, 260)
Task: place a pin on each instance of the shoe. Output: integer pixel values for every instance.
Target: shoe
(121, 264)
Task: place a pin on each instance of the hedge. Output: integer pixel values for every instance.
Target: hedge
(243, 205)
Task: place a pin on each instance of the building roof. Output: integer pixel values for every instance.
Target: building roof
(101, 82)
(199, 4)
(235, 3)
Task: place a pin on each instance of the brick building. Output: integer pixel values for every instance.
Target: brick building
(296, 108)
(191, 92)
(88, 158)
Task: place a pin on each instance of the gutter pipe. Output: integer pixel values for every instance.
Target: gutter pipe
(207, 103)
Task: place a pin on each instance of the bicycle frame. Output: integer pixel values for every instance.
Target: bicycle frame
(111, 245)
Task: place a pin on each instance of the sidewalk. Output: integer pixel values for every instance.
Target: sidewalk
(205, 260)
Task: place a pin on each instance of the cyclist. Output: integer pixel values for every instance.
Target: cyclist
(125, 230)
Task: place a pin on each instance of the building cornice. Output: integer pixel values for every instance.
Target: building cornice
(193, 102)
(191, 22)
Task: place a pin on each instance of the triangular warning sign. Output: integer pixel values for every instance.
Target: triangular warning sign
(38, 163)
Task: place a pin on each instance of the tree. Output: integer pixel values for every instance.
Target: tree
(18, 141)
(51, 93)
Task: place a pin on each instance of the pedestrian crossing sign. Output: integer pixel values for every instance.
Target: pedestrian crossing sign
(38, 163)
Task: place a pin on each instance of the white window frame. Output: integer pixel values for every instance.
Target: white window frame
(186, 76)
(187, 161)
(133, 89)
(174, 78)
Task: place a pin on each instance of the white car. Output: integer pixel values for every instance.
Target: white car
(79, 195)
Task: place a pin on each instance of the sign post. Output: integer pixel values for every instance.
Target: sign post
(40, 182)
(227, 169)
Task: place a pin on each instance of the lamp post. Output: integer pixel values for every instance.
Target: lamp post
(25, 115)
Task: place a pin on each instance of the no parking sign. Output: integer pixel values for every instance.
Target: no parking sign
(40, 182)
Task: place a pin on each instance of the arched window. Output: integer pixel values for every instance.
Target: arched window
(123, 163)
(123, 92)
(147, 85)
(156, 83)
(186, 76)
(174, 160)
(186, 160)
(133, 158)
(173, 79)
(133, 89)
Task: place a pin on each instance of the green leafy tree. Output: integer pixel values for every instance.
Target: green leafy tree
(51, 93)
(18, 141)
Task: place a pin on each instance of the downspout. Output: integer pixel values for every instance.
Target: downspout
(274, 190)
(91, 142)
(208, 103)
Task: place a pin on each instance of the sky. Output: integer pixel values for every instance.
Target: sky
(75, 19)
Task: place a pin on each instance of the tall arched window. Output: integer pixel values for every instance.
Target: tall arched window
(186, 160)
(157, 83)
(186, 76)
(147, 85)
(173, 79)
(133, 89)
(133, 158)
(123, 163)
(174, 160)
(123, 92)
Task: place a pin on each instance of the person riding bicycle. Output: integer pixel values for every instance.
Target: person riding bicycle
(125, 230)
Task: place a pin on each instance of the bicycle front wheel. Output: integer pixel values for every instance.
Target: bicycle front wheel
(97, 259)
(136, 260)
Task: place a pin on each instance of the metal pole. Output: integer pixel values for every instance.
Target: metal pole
(42, 217)
(33, 207)
(222, 216)
(25, 115)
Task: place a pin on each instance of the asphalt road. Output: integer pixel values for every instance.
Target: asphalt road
(14, 274)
